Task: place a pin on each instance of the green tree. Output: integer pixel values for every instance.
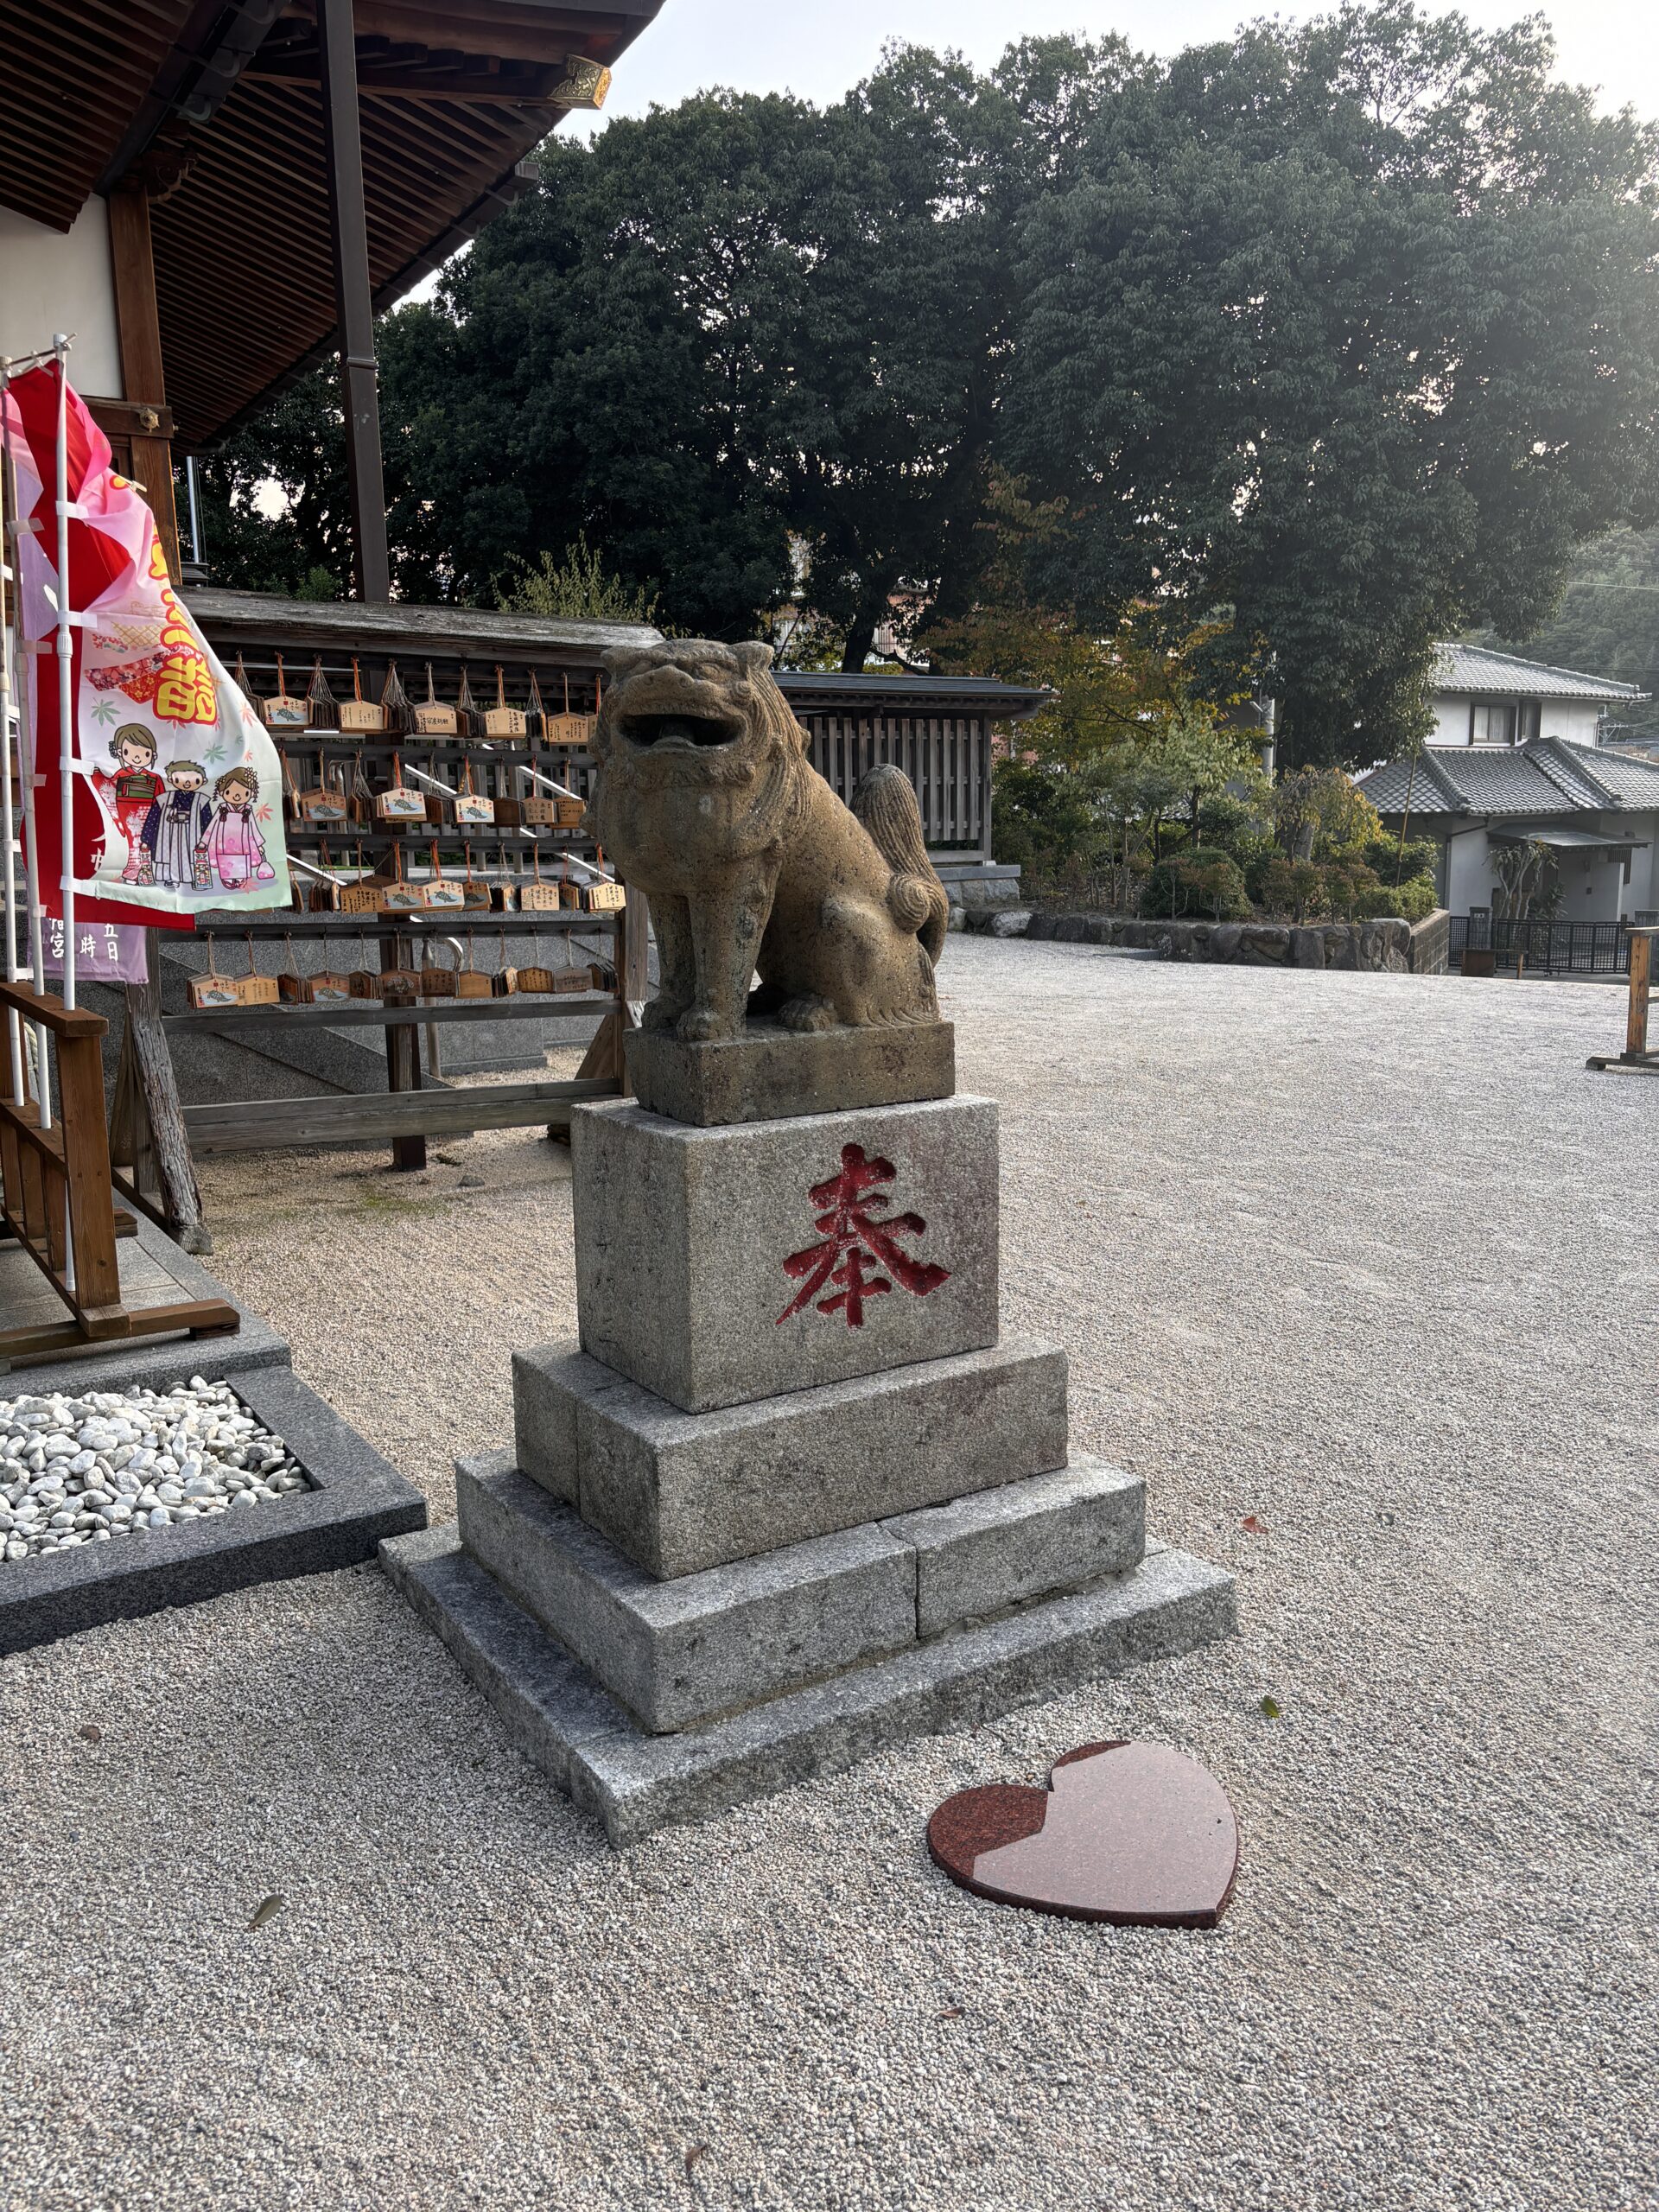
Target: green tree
(1607, 622)
(1351, 327)
(276, 513)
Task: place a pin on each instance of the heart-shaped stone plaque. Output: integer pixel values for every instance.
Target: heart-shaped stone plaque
(1134, 1833)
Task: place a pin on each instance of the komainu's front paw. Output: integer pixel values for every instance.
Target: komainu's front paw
(662, 1013)
(808, 1013)
(701, 1025)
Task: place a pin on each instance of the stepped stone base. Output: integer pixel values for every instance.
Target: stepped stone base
(679, 1492)
(636, 1783)
(678, 1653)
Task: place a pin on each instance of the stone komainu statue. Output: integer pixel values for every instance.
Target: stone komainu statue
(706, 800)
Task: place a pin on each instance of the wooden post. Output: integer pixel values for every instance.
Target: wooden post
(632, 967)
(1635, 1024)
(152, 1098)
(87, 1171)
(133, 264)
(402, 1062)
(348, 236)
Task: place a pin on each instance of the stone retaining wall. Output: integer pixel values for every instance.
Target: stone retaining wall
(1370, 947)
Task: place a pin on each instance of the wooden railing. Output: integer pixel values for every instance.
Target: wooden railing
(56, 1196)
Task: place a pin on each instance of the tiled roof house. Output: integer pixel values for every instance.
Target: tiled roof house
(1515, 758)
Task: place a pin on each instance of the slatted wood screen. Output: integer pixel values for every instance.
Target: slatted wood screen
(946, 757)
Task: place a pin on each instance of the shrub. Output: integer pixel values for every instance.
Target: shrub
(1198, 885)
(1413, 900)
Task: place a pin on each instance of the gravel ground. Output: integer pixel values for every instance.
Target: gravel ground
(1368, 1259)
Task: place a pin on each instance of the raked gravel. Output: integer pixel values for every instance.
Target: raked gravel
(82, 1469)
(1367, 1261)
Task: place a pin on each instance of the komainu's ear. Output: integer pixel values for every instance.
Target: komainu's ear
(753, 657)
(617, 660)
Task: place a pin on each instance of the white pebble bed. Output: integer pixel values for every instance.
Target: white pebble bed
(113, 1463)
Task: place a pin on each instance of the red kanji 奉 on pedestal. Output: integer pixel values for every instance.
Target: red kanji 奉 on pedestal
(859, 1240)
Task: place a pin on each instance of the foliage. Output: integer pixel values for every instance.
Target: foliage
(1524, 881)
(1606, 621)
(297, 449)
(1200, 882)
(1350, 324)
(1318, 814)
(1305, 349)
(579, 588)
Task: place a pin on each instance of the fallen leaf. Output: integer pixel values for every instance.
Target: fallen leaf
(1271, 1707)
(267, 1909)
(1252, 1527)
(951, 2012)
(696, 2152)
(92, 1732)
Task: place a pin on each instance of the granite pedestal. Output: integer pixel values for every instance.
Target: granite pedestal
(787, 1497)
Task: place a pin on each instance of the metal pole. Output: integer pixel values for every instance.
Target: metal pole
(195, 508)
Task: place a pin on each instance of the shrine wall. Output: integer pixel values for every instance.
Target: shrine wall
(53, 281)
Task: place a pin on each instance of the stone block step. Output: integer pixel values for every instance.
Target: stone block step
(678, 1653)
(678, 1492)
(1000, 1547)
(636, 1783)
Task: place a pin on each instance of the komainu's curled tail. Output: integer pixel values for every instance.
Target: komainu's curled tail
(885, 802)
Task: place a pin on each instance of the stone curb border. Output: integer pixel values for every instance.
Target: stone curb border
(358, 1499)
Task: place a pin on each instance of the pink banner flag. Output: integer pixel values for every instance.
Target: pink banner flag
(178, 786)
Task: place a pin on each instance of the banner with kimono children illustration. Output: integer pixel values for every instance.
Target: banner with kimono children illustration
(178, 799)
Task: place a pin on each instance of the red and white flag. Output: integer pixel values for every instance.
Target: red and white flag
(177, 804)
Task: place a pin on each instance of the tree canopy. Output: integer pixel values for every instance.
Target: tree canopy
(1323, 342)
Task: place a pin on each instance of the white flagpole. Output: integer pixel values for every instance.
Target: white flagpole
(28, 765)
(66, 653)
(12, 731)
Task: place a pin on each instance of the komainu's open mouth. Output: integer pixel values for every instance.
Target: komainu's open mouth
(680, 732)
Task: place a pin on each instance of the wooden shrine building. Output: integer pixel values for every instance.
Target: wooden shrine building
(213, 197)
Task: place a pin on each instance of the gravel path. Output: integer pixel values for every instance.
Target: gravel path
(1370, 1259)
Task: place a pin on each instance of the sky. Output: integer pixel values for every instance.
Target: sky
(779, 45)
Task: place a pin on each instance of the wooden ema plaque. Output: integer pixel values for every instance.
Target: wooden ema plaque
(284, 711)
(359, 715)
(567, 728)
(501, 720)
(430, 717)
(327, 987)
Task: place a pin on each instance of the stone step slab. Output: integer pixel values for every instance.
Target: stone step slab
(677, 1653)
(680, 1492)
(979, 1555)
(636, 1783)
(693, 1245)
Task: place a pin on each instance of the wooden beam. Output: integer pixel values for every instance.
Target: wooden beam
(149, 457)
(348, 236)
(269, 1124)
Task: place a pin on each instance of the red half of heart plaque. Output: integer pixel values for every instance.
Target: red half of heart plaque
(1134, 1833)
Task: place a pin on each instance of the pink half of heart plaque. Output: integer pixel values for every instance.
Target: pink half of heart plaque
(1138, 1835)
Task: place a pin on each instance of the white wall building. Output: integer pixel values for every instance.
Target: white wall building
(1516, 758)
